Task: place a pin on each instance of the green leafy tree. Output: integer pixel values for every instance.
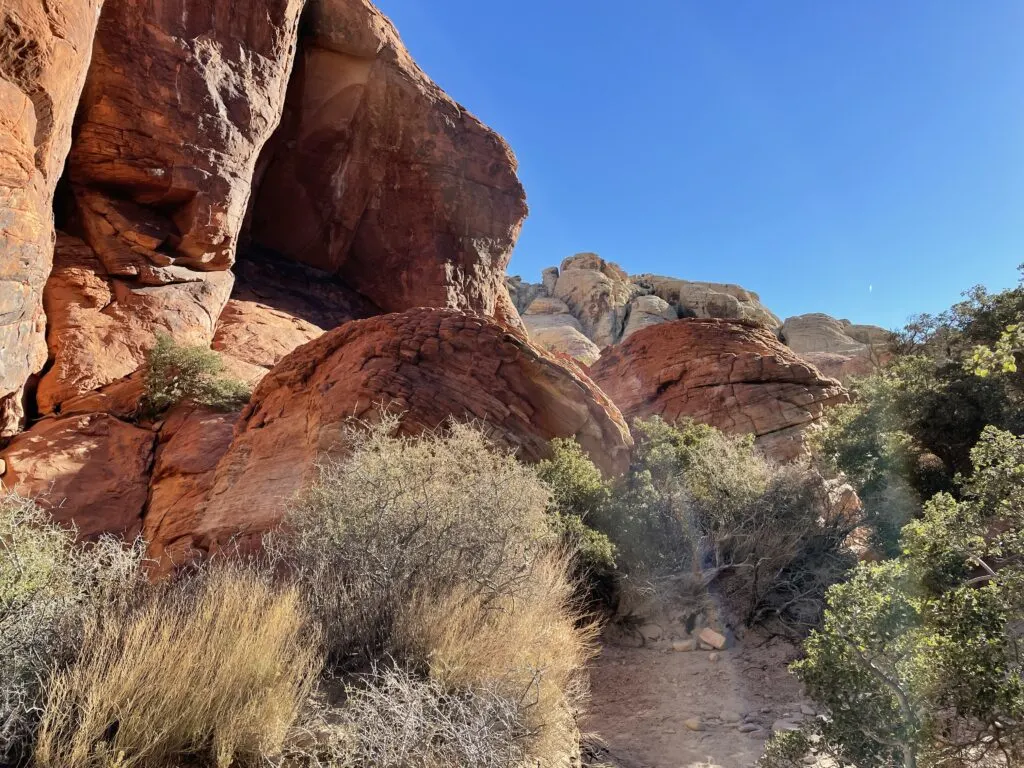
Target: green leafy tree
(918, 660)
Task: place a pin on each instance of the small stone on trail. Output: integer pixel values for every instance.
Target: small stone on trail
(694, 724)
(712, 638)
(684, 646)
(784, 725)
(713, 658)
(749, 727)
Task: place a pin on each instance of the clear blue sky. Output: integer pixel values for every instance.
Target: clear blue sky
(863, 158)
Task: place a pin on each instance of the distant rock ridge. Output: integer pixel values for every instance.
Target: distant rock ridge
(588, 304)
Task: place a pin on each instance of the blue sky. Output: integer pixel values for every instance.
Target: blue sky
(863, 158)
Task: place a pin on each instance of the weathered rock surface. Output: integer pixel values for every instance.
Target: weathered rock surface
(180, 98)
(89, 470)
(708, 300)
(552, 327)
(598, 293)
(610, 306)
(428, 364)
(836, 347)
(645, 311)
(44, 54)
(191, 443)
(734, 376)
(101, 327)
(379, 177)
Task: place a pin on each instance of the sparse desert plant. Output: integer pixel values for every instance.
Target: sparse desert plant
(176, 373)
(48, 586)
(530, 648)
(398, 719)
(402, 516)
(213, 669)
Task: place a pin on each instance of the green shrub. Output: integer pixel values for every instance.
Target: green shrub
(579, 493)
(176, 373)
(48, 587)
(919, 659)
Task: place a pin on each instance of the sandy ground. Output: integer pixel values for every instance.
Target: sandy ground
(646, 701)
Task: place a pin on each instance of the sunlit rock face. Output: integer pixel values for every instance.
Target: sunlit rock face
(44, 55)
(379, 177)
(595, 298)
(735, 376)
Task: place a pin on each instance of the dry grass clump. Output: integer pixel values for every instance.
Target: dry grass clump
(213, 671)
(48, 585)
(531, 648)
(399, 719)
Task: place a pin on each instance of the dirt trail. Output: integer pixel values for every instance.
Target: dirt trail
(646, 702)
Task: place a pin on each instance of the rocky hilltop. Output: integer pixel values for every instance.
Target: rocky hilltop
(588, 304)
(280, 182)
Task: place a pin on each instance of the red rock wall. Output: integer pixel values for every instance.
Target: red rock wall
(44, 53)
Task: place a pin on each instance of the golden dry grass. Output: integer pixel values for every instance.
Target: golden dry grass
(531, 647)
(217, 677)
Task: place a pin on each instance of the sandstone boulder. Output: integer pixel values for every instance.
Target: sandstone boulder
(44, 54)
(378, 176)
(90, 471)
(709, 300)
(429, 365)
(645, 311)
(836, 347)
(180, 98)
(192, 441)
(598, 293)
(734, 376)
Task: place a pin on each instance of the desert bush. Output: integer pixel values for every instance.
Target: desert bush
(48, 586)
(708, 506)
(580, 494)
(437, 560)
(648, 516)
(919, 660)
(398, 719)
(175, 373)
(401, 516)
(530, 649)
(212, 670)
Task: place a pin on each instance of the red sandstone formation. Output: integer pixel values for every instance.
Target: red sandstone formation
(427, 364)
(734, 376)
(44, 53)
(377, 175)
(90, 471)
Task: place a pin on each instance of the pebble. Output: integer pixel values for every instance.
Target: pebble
(713, 658)
(749, 727)
(694, 724)
(684, 646)
(785, 725)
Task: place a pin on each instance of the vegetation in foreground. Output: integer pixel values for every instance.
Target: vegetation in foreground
(918, 661)
(416, 609)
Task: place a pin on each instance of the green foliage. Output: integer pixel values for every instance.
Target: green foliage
(1002, 358)
(578, 494)
(918, 659)
(48, 586)
(175, 373)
